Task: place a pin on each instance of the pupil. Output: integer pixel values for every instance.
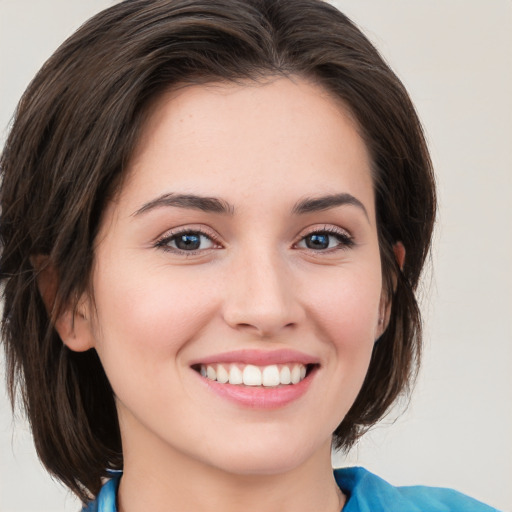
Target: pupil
(317, 241)
(188, 242)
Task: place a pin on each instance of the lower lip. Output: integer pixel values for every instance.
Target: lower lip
(259, 397)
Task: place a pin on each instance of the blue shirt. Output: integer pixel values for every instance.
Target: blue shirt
(365, 492)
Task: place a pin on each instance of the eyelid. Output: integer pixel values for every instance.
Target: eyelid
(344, 234)
(326, 228)
(173, 232)
(347, 240)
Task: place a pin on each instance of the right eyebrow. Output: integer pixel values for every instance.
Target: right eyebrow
(190, 201)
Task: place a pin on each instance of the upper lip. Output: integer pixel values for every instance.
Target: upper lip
(258, 357)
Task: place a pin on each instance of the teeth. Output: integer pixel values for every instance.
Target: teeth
(222, 374)
(296, 374)
(285, 376)
(270, 376)
(235, 375)
(211, 373)
(251, 375)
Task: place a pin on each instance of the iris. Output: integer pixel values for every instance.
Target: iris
(188, 241)
(317, 241)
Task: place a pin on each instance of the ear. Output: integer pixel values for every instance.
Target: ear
(386, 296)
(73, 322)
(399, 251)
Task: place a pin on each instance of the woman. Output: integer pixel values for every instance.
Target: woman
(214, 218)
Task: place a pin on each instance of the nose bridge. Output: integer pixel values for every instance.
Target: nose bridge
(262, 293)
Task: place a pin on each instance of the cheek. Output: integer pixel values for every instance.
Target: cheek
(148, 317)
(346, 306)
(347, 313)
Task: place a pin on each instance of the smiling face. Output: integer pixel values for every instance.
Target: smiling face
(237, 280)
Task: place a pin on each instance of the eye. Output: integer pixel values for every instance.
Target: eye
(186, 241)
(325, 240)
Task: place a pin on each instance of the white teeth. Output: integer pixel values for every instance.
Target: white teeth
(235, 375)
(296, 374)
(270, 376)
(285, 376)
(251, 375)
(222, 374)
(211, 373)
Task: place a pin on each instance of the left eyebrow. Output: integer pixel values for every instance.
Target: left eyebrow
(316, 204)
(189, 201)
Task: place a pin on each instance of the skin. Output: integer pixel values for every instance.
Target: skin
(261, 147)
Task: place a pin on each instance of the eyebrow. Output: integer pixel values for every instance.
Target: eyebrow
(190, 201)
(216, 205)
(316, 204)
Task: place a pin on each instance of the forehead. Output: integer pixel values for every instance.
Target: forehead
(235, 139)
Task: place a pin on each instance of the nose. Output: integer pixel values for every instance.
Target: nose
(261, 296)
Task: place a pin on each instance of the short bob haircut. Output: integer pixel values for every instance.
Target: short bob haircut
(71, 142)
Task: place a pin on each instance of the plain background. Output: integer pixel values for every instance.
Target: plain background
(455, 58)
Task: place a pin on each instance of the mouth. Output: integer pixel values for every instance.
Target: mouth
(258, 379)
(267, 376)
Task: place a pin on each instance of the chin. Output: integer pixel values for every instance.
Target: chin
(265, 458)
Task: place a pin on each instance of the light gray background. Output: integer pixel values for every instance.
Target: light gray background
(455, 57)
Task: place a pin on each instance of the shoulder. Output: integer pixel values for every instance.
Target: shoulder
(367, 492)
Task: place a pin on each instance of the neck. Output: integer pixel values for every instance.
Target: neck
(164, 480)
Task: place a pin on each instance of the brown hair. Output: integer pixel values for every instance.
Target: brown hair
(72, 137)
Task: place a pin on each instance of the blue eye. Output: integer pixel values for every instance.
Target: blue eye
(323, 240)
(187, 241)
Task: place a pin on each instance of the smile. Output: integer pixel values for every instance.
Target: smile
(271, 376)
(258, 379)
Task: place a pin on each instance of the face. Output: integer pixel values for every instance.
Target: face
(237, 280)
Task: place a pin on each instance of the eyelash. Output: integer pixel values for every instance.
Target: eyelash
(163, 243)
(345, 240)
